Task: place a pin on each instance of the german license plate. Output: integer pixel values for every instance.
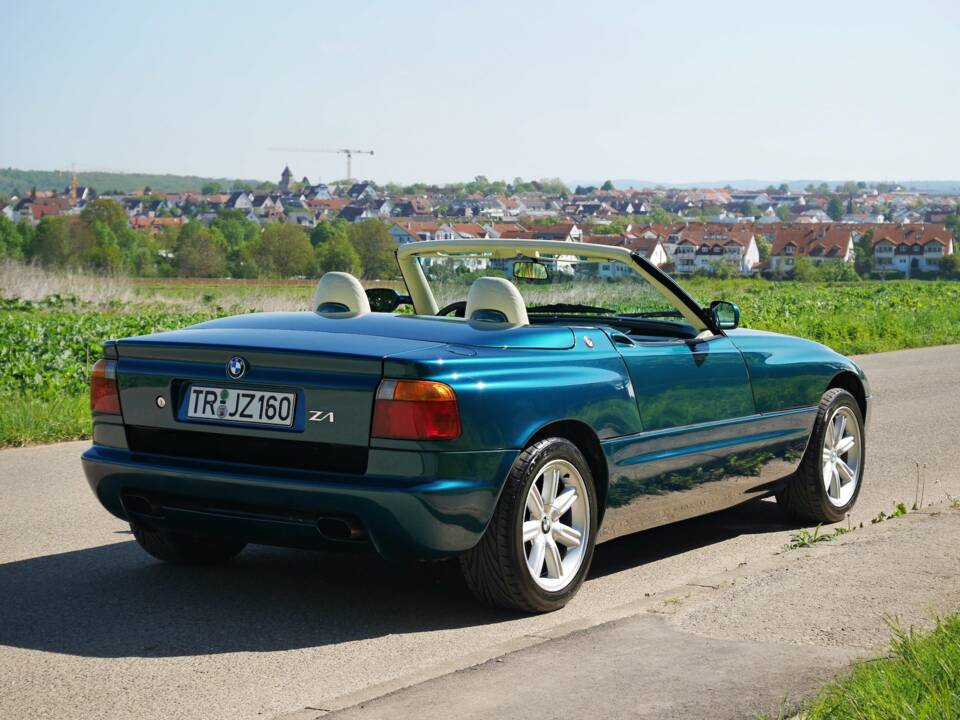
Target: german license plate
(259, 407)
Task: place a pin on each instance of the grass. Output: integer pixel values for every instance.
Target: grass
(850, 317)
(26, 420)
(919, 680)
(804, 538)
(51, 323)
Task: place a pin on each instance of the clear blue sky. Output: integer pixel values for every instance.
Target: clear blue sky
(443, 91)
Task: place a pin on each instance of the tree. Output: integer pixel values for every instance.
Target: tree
(863, 254)
(200, 251)
(51, 246)
(338, 255)
(835, 208)
(11, 242)
(241, 236)
(105, 254)
(211, 188)
(612, 228)
(108, 212)
(784, 188)
(836, 271)
(804, 270)
(950, 266)
(607, 186)
(784, 212)
(284, 250)
(375, 246)
(750, 210)
(28, 234)
(953, 224)
(722, 270)
(329, 229)
(659, 216)
(763, 247)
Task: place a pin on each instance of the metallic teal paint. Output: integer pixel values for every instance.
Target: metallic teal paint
(787, 372)
(685, 427)
(684, 383)
(667, 475)
(430, 505)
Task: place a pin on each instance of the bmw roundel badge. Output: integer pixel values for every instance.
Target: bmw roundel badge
(236, 367)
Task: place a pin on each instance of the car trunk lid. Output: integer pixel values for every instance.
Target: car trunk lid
(332, 379)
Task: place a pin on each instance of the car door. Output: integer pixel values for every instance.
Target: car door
(703, 446)
(683, 383)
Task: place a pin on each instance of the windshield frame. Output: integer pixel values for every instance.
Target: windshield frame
(424, 302)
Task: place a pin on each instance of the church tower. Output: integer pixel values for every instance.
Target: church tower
(285, 178)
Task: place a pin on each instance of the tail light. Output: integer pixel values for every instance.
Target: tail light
(416, 410)
(104, 392)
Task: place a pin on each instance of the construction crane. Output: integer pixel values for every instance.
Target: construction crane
(338, 151)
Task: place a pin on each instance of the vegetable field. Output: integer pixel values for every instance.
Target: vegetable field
(47, 346)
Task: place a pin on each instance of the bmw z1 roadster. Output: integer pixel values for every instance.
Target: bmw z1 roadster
(516, 436)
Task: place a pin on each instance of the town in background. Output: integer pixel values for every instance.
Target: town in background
(297, 228)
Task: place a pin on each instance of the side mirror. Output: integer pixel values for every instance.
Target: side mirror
(385, 299)
(725, 314)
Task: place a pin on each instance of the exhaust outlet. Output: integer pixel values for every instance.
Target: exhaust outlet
(341, 528)
(139, 505)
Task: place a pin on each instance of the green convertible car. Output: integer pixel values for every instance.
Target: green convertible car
(515, 426)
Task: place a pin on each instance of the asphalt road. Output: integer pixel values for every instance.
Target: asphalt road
(91, 627)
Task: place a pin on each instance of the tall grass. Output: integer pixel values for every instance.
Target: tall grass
(26, 419)
(32, 282)
(920, 679)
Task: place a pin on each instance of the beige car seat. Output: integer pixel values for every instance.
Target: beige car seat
(340, 293)
(496, 300)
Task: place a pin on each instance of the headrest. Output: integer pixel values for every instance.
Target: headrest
(340, 293)
(496, 300)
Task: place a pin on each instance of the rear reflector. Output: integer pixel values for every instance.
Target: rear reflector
(104, 393)
(416, 410)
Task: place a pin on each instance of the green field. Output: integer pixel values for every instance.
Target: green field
(51, 327)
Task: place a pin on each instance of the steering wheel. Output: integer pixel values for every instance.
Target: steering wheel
(457, 309)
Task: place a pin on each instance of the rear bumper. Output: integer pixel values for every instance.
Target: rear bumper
(409, 505)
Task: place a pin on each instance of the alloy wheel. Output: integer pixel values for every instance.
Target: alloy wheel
(841, 456)
(556, 522)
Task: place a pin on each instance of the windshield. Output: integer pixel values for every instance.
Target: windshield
(553, 284)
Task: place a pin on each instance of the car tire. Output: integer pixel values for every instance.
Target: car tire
(498, 570)
(182, 548)
(809, 495)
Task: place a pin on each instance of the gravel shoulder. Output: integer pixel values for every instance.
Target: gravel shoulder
(727, 646)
